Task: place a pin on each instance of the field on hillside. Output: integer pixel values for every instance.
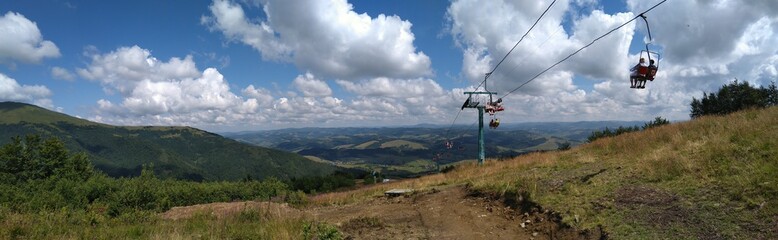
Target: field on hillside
(710, 178)
(396, 152)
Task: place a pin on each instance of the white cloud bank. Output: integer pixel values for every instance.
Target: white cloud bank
(172, 92)
(704, 45)
(175, 92)
(325, 37)
(10, 90)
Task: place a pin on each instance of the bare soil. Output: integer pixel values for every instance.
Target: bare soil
(450, 213)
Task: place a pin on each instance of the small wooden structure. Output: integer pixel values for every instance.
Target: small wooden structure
(398, 192)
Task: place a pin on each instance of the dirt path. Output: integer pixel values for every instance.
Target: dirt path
(450, 213)
(446, 214)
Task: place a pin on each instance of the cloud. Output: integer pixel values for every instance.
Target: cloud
(62, 73)
(22, 41)
(175, 92)
(487, 32)
(394, 88)
(126, 67)
(10, 90)
(231, 20)
(263, 96)
(172, 92)
(326, 38)
(704, 44)
(709, 43)
(312, 87)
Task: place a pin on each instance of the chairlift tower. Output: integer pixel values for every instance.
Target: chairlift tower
(470, 103)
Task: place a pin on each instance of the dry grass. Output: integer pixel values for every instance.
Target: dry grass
(251, 222)
(722, 169)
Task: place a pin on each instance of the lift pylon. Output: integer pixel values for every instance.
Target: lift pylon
(473, 103)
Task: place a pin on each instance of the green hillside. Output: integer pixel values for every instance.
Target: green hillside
(14, 113)
(714, 177)
(179, 152)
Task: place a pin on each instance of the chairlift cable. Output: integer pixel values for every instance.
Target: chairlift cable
(582, 48)
(514, 46)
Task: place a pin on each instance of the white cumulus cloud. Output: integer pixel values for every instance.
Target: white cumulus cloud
(10, 90)
(325, 37)
(21, 40)
(172, 92)
(62, 73)
(312, 87)
(395, 88)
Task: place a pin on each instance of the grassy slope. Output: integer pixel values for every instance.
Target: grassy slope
(13, 112)
(403, 144)
(713, 177)
(180, 152)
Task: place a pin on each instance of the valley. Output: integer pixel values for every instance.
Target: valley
(401, 152)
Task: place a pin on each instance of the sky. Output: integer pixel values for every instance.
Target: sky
(241, 65)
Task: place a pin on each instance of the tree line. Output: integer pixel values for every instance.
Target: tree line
(39, 174)
(607, 132)
(734, 97)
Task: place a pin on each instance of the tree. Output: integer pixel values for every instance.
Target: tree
(734, 97)
(772, 95)
(31, 158)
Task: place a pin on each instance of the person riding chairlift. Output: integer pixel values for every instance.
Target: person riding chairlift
(494, 123)
(635, 76)
(651, 70)
(493, 107)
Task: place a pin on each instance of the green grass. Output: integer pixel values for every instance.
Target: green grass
(712, 177)
(403, 144)
(248, 224)
(366, 145)
(14, 112)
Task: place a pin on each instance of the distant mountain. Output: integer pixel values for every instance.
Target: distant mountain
(422, 146)
(179, 152)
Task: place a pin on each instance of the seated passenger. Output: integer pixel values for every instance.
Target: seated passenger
(635, 73)
(651, 70)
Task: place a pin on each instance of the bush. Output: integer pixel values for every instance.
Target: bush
(317, 184)
(41, 175)
(658, 121)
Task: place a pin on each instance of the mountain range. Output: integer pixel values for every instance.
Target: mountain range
(177, 152)
(412, 150)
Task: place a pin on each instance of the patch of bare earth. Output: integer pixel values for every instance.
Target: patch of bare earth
(453, 213)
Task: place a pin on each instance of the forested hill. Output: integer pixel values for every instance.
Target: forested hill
(179, 152)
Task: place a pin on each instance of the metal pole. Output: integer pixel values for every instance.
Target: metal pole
(481, 154)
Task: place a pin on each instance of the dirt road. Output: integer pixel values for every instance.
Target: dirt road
(446, 214)
(449, 213)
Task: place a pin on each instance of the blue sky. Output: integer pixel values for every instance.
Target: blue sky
(227, 65)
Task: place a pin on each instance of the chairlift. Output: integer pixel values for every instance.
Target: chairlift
(643, 71)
